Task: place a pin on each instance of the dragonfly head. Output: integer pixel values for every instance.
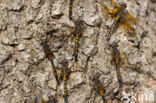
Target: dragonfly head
(64, 62)
(123, 5)
(96, 76)
(114, 44)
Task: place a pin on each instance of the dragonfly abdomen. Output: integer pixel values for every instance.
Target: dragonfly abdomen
(70, 9)
(76, 47)
(101, 92)
(65, 88)
(118, 74)
(55, 73)
(113, 27)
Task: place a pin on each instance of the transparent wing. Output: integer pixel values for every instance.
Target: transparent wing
(130, 18)
(128, 28)
(122, 58)
(110, 11)
(116, 5)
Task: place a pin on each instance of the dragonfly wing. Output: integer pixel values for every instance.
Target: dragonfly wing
(130, 18)
(115, 4)
(122, 58)
(127, 26)
(109, 10)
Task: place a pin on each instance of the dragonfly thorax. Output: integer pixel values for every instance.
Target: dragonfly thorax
(121, 10)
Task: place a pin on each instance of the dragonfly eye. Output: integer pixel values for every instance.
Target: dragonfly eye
(123, 5)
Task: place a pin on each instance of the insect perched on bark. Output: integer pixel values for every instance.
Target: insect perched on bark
(77, 33)
(99, 86)
(121, 18)
(65, 76)
(49, 55)
(117, 61)
(70, 9)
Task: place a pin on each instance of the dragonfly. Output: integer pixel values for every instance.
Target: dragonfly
(117, 61)
(70, 9)
(78, 30)
(99, 86)
(121, 18)
(65, 76)
(49, 55)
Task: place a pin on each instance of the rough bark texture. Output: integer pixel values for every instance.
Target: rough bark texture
(26, 75)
